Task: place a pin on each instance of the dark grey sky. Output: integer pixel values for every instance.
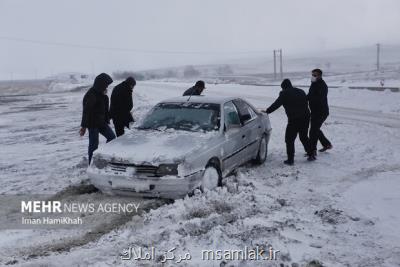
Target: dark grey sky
(160, 33)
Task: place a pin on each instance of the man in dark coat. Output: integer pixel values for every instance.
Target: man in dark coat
(294, 101)
(121, 105)
(318, 101)
(197, 89)
(95, 115)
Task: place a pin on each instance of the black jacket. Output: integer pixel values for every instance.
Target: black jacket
(294, 101)
(318, 98)
(121, 104)
(192, 91)
(95, 103)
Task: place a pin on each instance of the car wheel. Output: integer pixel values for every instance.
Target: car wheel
(211, 179)
(262, 150)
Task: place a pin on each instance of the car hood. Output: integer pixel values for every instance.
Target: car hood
(154, 147)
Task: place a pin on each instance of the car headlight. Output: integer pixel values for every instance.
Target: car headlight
(167, 169)
(100, 163)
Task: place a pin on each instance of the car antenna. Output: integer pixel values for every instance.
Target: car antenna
(191, 93)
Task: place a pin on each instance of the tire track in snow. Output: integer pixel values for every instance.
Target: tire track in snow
(366, 173)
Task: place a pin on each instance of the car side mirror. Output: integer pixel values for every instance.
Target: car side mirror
(245, 117)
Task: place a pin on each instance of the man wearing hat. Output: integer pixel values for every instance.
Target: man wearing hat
(294, 100)
(121, 105)
(197, 89)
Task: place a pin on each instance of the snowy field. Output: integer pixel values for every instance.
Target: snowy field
(341, 210)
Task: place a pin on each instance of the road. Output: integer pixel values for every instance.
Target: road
(43, 154)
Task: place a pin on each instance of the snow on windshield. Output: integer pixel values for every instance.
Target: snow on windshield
(183, 116)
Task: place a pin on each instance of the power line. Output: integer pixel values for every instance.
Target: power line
(120, 49)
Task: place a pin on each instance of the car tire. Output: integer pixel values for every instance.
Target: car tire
(212, 178)
(262, 150)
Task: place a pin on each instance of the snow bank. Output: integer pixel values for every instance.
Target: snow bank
(338, 210)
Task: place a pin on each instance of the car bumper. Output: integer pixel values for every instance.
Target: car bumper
(171, 187)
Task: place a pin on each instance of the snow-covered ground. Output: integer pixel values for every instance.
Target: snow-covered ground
(341, 210)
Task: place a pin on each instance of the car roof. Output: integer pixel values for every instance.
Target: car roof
(201, 99)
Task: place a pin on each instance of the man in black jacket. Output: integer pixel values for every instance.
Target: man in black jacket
(95, 115)
(294, 101)
(121, 105)
(197, 89)
(318, 101)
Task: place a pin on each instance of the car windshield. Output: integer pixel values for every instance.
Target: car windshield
(183, 116)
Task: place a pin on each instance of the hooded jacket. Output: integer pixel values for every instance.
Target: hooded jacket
(294, 100)
(318, 98)
(122, 104)
(95, 103)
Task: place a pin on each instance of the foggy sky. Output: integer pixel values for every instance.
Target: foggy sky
(135, 35)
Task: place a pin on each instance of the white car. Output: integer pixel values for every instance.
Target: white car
(182, 144)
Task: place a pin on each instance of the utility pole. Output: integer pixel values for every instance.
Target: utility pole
(274, 64)
(279, 51)
(281, 68)
(12, 79)
(378, 51)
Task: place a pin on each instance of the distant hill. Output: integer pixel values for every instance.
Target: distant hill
(359, 59)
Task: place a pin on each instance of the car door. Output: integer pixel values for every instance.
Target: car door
(251, 128)
(232, 148)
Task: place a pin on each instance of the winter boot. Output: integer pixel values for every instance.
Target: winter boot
(289, 162)
(325, 148)
(312, 156)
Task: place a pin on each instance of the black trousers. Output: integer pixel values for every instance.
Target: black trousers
(294, 127)
(119, 128)
(316, 133)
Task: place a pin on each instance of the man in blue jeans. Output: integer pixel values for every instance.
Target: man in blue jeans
(95, 114)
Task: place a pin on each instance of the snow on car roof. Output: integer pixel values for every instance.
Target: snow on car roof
(201, 99)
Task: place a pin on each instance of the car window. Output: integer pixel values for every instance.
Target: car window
(183, 116)
(231, 115)
(246, 113)
(253, 114)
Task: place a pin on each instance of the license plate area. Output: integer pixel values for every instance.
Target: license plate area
(132, 185)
